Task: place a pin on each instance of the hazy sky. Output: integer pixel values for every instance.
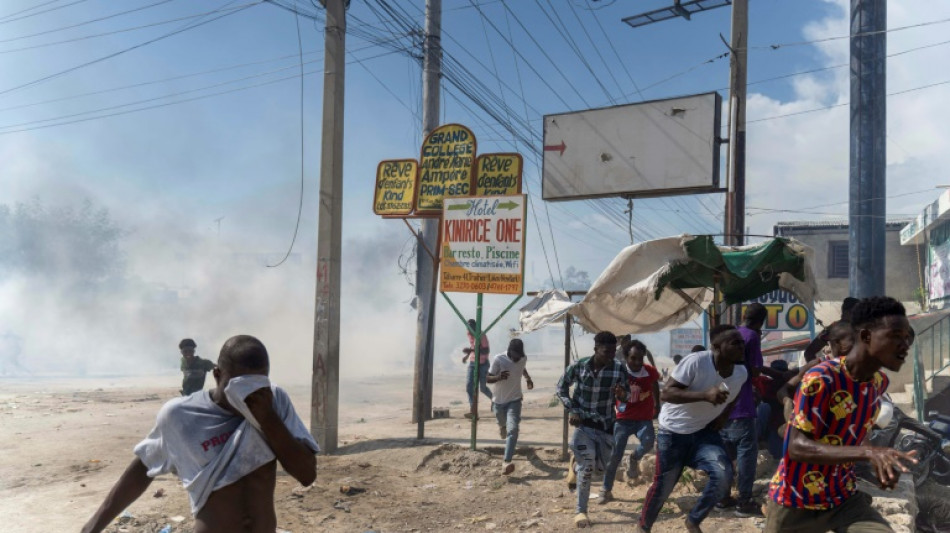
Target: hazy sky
(169, 173)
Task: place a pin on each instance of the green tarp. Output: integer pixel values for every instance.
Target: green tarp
(744, 273)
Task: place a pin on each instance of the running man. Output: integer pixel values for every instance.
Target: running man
(505, 374)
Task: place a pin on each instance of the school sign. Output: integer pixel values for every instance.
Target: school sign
(483, 244)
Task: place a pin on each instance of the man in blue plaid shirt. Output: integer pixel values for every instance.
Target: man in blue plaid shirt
(598, 382)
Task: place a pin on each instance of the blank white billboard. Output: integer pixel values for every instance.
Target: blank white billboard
(657, 148)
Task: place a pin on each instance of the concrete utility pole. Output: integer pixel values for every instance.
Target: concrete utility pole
(866, 258)
(735, 159)
(325, 386)
(425, 268)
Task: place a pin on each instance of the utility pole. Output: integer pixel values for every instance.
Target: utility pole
(866, 212)
(425, 266)
(735, 159)
(325, 385)
(629, 212)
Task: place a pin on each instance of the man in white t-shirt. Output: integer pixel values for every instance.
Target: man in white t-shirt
(505, 374)
(697, 398)
(226, 463)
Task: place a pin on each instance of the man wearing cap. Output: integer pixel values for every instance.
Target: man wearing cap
(193, 367)
(507, 395)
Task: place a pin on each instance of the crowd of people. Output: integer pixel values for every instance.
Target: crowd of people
(717, 406)
(710, 414)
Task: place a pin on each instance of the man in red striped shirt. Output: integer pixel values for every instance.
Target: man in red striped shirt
(813, 489)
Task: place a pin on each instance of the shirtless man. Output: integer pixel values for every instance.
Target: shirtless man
(192, 431)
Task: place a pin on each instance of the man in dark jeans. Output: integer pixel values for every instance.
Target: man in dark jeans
(698, 398)
(740, 435)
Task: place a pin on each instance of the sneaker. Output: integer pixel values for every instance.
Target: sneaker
(503, 432)
(726, 503)
(581, 520)
(507, 469)
(748, 509)
(605, 497)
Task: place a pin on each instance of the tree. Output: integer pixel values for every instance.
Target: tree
(59, 243)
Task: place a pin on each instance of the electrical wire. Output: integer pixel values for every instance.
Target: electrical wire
(141, 8)
(293, 240)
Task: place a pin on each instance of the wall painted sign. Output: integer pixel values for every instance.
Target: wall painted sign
(445, 168)
(682, 340)
(498, 175)
(483, 243)
(785, 312)
(395, 187)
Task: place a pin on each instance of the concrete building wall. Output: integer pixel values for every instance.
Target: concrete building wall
(903, 271)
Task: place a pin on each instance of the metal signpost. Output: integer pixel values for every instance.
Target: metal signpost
(481, 235)
(482, 251)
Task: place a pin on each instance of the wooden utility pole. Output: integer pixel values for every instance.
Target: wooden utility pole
(425, 266)
(325, 386)
(735, 160)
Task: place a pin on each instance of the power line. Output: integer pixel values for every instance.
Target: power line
(123, 51)
(141, 8)
(8, 19)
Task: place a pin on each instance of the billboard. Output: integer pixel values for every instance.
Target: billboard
(483, 243)
(657, 148)
(785, 312)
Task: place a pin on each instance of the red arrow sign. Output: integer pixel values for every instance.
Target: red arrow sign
(556, 148)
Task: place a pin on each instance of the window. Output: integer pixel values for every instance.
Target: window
(838, 259)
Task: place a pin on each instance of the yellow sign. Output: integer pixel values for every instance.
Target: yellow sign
(395, 187)
(498, 175)
(445, 170)
(483, 243)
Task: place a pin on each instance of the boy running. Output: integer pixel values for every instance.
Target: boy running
(634, 417)
(508, 397)
(598, 382)
(698, 396)
(813, 489)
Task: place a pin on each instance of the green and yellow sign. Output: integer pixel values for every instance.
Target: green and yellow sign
(395, 187)
(498, 175)
(446, 167)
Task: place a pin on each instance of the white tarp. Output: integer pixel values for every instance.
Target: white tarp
(622, 300)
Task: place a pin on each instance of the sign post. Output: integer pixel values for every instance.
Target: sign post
(482, 251)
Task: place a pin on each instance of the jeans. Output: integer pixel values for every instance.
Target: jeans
(702, 450)
(592, 449)
(742, 444)
(509, 416)
(482, 383)
(768, 434)
(643, 429)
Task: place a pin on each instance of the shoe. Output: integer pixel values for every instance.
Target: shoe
(727, 503)
(581, 520)
(691, 527)
(748, 509)
(503, 432)
(633, 470)
(605, 497)
(471, 416)
(571, 476)
(507, 469)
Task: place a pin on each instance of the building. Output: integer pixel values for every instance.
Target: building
(904, 274)
(929, 236)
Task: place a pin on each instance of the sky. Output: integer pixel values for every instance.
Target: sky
(183, 119)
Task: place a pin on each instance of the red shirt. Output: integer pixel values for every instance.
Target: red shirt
(640, 395)
(834, 409)
(483, 359)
